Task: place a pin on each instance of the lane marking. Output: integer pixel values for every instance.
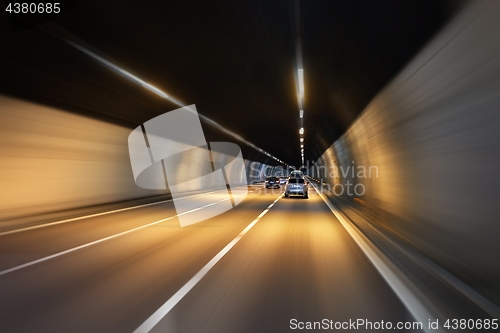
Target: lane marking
(73, 249)
(99, 214)
(158, 315)
(391, 274)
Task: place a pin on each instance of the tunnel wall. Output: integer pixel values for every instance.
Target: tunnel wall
(432, 138)
(52, 160)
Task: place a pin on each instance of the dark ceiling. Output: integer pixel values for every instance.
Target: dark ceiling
(234, 59)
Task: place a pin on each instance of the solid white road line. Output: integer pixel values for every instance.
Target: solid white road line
(99, 214)
(55, 255)
(391, 274)
(155, 318)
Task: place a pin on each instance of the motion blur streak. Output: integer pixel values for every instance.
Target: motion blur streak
(164, 95)
(125, 73)
(159, 314)
(434, 135)
(53, 160)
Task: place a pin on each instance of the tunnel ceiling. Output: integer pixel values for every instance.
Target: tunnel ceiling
(234, 59)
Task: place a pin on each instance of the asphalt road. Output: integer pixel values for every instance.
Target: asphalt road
(297, 262)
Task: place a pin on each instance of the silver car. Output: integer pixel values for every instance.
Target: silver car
(296, 186)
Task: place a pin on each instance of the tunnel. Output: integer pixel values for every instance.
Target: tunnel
(265, 166)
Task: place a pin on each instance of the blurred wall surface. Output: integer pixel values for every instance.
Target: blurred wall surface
(52, 160)
(431, 140)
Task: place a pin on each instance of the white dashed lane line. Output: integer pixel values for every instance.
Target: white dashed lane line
(159, 314)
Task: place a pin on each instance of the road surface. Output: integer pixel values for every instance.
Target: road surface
(296, 264)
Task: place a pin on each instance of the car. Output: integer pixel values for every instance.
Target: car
(272, 182)
(283, 180)
(297, 186)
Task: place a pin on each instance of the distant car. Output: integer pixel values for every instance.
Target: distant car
(272, 182)
(297, 186)
(283, 180)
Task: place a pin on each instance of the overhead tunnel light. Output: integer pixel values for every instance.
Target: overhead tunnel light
(301, 83)
(301, 139)
(301, 131)
(301, 114)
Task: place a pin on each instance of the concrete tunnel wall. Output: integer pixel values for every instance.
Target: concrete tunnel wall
(433, 137)
(52, 160)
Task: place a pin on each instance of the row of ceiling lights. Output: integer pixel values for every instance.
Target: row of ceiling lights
(300, 73)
